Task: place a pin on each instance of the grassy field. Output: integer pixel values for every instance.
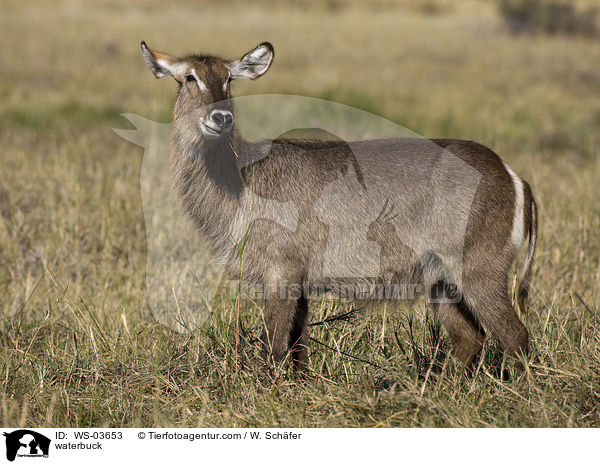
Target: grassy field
(79, 345)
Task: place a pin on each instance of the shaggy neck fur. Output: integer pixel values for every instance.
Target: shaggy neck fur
(208, 182)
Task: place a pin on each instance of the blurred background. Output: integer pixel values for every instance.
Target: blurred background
(520, 76)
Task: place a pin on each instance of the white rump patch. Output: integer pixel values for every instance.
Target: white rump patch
(518, 233)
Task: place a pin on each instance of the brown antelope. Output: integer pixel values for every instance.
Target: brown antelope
(448, 214)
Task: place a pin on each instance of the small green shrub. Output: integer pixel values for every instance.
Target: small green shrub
(548, 17)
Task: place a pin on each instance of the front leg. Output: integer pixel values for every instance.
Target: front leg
(298, 342)
(279, 320)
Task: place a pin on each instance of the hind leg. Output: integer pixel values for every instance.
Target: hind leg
(464, 331)
(487, 296)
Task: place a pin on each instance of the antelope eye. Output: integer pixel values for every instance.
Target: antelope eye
(226, 84)
(190, 78)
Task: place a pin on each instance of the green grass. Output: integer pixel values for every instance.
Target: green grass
(80, 345)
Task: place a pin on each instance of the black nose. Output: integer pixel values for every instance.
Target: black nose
(223, 119)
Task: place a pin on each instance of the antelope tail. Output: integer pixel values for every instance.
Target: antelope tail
(523, 289)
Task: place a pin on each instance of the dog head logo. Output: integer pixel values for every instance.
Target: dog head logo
(26, 443)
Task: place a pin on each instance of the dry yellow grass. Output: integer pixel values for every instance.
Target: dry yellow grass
(79, 344)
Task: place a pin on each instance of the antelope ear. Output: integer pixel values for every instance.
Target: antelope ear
(162, 64)
(254, 63)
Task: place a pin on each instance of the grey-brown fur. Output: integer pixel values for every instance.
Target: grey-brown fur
(416, 193)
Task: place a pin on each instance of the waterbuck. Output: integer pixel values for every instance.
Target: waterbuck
(447, 214)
